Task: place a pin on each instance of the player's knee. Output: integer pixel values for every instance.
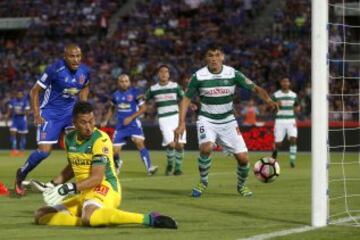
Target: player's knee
(139, 144)
(242, 158)
(179, 147)
(292, 141)
(44, 148)
(278, 144)
(171, 146)
(206, 148)
(87, 213)
(39, 213)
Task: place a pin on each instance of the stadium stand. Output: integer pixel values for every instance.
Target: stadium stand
(163, 31)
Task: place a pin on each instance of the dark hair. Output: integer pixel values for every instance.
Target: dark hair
(213, 47)
(163, 66)
(82, 107)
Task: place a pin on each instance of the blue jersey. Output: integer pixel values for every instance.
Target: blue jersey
(61, 87)
(126, 103)
(19, 108)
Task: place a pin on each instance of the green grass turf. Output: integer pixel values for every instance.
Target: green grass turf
(219, 214)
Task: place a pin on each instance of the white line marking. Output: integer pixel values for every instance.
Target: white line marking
(280, 233)
(302, 229)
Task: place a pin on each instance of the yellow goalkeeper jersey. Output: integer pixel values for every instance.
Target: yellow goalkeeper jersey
(97, 150)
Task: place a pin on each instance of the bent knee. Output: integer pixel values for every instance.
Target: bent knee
(206, 148)
(41, 212)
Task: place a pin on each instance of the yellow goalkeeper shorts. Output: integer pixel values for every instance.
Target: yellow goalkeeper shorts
(102, 196)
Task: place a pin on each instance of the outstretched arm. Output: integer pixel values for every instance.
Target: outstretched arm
(266, 98)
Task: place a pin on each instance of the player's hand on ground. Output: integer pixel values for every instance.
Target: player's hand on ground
(179, 131)
(127, 121)
(103, 124)
(38, 120)
(56, 195)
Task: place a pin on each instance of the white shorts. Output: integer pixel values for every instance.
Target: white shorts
(285, 128)
(167, 126)
(228, 135)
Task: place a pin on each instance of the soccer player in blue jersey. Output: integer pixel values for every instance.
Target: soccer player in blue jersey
(18, 109)
(129, 105)
(52, 98)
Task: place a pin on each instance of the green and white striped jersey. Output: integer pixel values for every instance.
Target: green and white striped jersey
(166, 98)
(287, 102)
(216, 92)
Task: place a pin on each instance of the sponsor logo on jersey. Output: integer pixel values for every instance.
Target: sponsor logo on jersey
(165, 97)
(102, 189)
(82, 79)
(105, 150)
(129, 98)
(217, 91)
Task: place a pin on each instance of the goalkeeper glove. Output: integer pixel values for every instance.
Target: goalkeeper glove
(54, 196)
(37, 186)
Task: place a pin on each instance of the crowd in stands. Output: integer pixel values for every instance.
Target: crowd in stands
(164, 31)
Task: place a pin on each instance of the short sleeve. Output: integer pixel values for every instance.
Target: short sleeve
(102, 152)
(179, 92)
(46, 77)
(193, 87)
(27, 104)
(148, 95)
(243, 81)
(113, 100)
(139, 97)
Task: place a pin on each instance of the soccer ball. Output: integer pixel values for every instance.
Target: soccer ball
(267, 169)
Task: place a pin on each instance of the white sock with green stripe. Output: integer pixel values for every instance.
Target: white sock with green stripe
(242, 174)
(179, 155)
(170, 155)
(204, 167)
(293, 150)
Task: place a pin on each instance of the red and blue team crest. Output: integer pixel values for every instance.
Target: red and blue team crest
(43, 136)
(129, 98)
(82, 79)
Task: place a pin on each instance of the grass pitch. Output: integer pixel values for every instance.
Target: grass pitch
(219, 214)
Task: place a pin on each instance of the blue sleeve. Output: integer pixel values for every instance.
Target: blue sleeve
(46, 78)
(139, 97)
(113, 99)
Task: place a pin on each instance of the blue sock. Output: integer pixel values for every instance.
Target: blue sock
(13, 142)
(22, 142)
(116, 160)
(144, 153)
(33, 160)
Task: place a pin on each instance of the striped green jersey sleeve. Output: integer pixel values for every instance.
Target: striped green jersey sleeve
(243, 81)
(193, 87)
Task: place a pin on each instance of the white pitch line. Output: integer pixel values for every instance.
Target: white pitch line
(280, 233)
(302, 229)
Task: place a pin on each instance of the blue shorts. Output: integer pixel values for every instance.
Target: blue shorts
(19, 124)
(49, 132)
(122, 134)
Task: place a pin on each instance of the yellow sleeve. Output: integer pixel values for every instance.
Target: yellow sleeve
(102, 151)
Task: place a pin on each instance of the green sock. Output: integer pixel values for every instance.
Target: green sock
(204, 167)
(293, 149)
(242, 174)
(179, 155)
(170, 154)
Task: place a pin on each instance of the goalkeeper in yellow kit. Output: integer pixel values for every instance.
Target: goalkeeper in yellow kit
(96, 190)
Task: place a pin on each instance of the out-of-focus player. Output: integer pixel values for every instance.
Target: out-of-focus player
(129, 105)
(166, 95)
(96, 190)
(18, 110)
(215, 85)
(285, 122)
(62, 82)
